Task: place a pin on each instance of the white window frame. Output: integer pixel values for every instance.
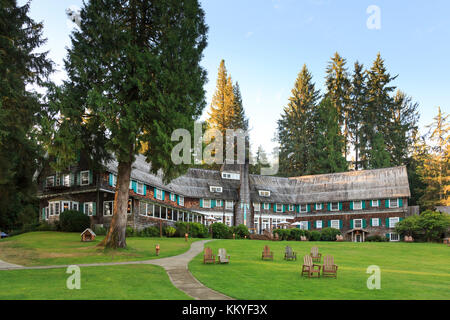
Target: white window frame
(114, 180)
(226, 175)
(393, 221)
(139, 188)
(279, 207)
(374, 203)
(291, 207)
(181, 201)
(158, 194)
(77, 204)
(57, 205)
(57, 180)
(301, 206)
(207, 201)
(51, 208)
(357, 207)
(334, 222)
(215, 189)
(397, 204)
(331, 206)
(264, 193)
(257, 206)
(90, 208)
(377, 223)
(319, 224)
(229, 205)
(303, 225)
(81, 178)
(219, 203)
(62, 205)
(66, 180)
(266, 206)
(396, 235)
(319, 206)
(52, 184)
(173, 197)
(111, 208)
(360, 223)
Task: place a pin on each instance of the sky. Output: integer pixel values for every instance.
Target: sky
(266, 42)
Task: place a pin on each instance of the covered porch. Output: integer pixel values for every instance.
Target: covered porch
(357, 235)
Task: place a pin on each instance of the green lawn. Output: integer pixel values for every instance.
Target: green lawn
(54, 248)
(408, 271)
(97, 283)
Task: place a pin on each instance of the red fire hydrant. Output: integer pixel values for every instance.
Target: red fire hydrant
(157, 249)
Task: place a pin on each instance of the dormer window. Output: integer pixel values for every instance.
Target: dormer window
(215, 189)
(50, 181)
(230, 175)
(264, 193)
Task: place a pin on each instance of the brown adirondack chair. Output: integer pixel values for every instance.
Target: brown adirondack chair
(289, 254)
(315, 255)
(222, 256)
(208, 256)
(266, 254)
(309, 268)
(329, 269)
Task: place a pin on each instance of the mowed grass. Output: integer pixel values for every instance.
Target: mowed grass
(56, 248)
(97, 283)
(408, 271)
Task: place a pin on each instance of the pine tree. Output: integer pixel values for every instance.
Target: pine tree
(379, 157)
(296, 127)
(260, 161)
(240, 120)
(21, 66)
(134, 76)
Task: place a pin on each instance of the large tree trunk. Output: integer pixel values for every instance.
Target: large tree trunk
(116, 234)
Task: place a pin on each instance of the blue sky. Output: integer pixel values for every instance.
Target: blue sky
(266, 42)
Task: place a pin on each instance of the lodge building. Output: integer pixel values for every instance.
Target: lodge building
(358, 203)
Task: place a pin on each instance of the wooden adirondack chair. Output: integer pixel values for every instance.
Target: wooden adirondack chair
(222, 256)
(329, 269)
(309, 268)
(315, 255)
(208, 257)
(267, 254)
(303, 238)
(289, 254)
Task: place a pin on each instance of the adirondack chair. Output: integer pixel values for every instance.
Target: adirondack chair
(267, 254)
(289, 254)
(309, 268)
(303, 238)
(222, 256)
(315, 255)
(209, 257)
(329, 269)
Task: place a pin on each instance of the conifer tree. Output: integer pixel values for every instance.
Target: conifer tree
(296, 127)
(134, 76)
(22, 65)
(379, 157)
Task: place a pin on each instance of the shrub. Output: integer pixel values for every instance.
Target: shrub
(181, 228)
(74, 221)
(283, 234)
(241, 231)
(221, 231)
(130, 232)
(295, 234)
(198, 230)
(376, 238)
(329, 234)
(100, 231)
(152, 231)
(169, 231)
(45, 226)
(314, 235)
(428, 226)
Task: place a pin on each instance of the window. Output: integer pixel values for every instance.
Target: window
(303, 225)
(173, 197)
(158, 194)
(319, 224)
(108, 208)
(357, 205)
(228, 175)
(58, 180)
(228, 221)
(219, 203)
(114, 180)
(394, 237)
(334, 206)
(319, 206)
(357, 223)
(257, 206)
(291, 207)
(66, 180)
(279, 207)
(65, 206)
(139, 188)
(50, 181)
(206, 203)
(264, 193)
(84, 176)
(89, 208)
(393, 203)
(375, 221)
(266, 206)
(129, 208)
(215, 189)
(374, 203)
(335, 224)
(393, 222)
(57, 208)
(229, 205)
(181, 200)
(303, 207)
(75, 206)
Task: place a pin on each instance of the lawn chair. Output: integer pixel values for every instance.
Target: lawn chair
(222, 256)
(315, 255)
(329, 269)
(303, 238)
(289, 254)
(208, 257)
(267, 254)
(309, 268)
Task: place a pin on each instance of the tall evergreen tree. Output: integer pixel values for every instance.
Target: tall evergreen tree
(134, 76)
(21, 66)
(378, 156)
(240, 120)
(296, 127)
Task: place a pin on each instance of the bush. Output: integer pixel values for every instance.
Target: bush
(100, 231)
(74, 221)
(198, 230)
(45, 226)
(181, 228)
(314, 235)
(241, 231)
(221, 231)
(295, 234)
(329, 234)
(169, 231)
(283, 234)
(152, 231)
(428, 226)
(376, 238)
(130, 232)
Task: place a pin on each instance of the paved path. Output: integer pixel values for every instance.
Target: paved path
(176, 267)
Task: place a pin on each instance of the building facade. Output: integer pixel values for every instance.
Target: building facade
(358, 203)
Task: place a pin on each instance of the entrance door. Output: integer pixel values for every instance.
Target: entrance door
(358, 238)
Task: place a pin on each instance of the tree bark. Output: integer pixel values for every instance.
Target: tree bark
(116, 237)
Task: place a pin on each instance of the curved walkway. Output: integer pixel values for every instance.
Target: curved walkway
(176, 268)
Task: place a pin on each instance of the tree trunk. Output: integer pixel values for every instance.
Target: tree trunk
(116, 234)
